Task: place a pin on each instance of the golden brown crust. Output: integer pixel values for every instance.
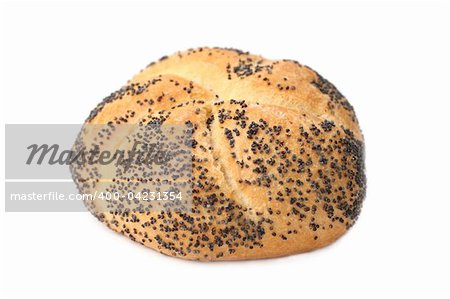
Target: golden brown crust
(278, 161)
(233, 74)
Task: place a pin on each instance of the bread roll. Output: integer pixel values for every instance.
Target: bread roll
(277, 157)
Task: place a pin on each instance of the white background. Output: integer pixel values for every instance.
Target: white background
(390, 59)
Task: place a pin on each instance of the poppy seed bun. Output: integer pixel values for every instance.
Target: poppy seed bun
(277, 158)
